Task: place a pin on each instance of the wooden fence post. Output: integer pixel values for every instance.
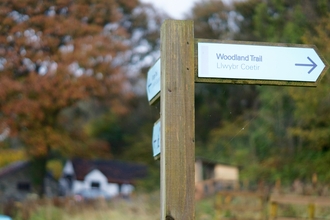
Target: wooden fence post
(218, 204)
(311, 211)
(273, 210)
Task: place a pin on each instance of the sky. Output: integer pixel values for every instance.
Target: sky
(174, 8)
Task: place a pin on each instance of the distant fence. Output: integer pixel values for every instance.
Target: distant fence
(309, 204)
(255, 205)
(240, 205)
(210, 187)
(298, 201)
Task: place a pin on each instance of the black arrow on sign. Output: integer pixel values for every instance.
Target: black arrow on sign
(313, 65)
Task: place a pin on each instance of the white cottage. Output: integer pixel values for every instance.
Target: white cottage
(109, 176)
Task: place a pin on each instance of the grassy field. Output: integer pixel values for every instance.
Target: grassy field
(139, 207)
(143, 207)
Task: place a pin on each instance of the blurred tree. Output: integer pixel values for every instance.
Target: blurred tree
(278, 20)
(54, 55)
(283, 123)
(8, 156)
(280, 124)
(130, 134)
(312, 128)
(214, 19)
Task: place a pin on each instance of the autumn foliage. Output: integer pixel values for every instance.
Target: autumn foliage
(56, 56)
(53, 55)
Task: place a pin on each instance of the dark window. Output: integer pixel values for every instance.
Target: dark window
(95, 185)
(208, 171)
(2, 187)
(69, 179)
(24, 186)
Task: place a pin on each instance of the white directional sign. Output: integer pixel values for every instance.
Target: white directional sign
(156, 139)
(259, 63)
(153, 82)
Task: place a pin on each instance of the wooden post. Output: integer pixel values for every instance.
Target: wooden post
(218, 206)
(273, 210)
(311, 211)
(177, 121)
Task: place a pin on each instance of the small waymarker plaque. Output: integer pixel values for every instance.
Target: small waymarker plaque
(259, 63)
(153, 82)
(156, 139)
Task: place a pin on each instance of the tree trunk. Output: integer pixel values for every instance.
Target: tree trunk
(38, 173)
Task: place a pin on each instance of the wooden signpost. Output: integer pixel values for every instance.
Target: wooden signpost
(184, 61)
(177, 112)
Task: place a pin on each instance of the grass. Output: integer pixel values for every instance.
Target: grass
(144, 207)
(205, 209)
(140, 207)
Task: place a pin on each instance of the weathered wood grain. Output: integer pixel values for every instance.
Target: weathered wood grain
(177, 120)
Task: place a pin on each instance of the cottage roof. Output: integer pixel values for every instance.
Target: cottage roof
(214, 162)
(13, 167)
(115, 171)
